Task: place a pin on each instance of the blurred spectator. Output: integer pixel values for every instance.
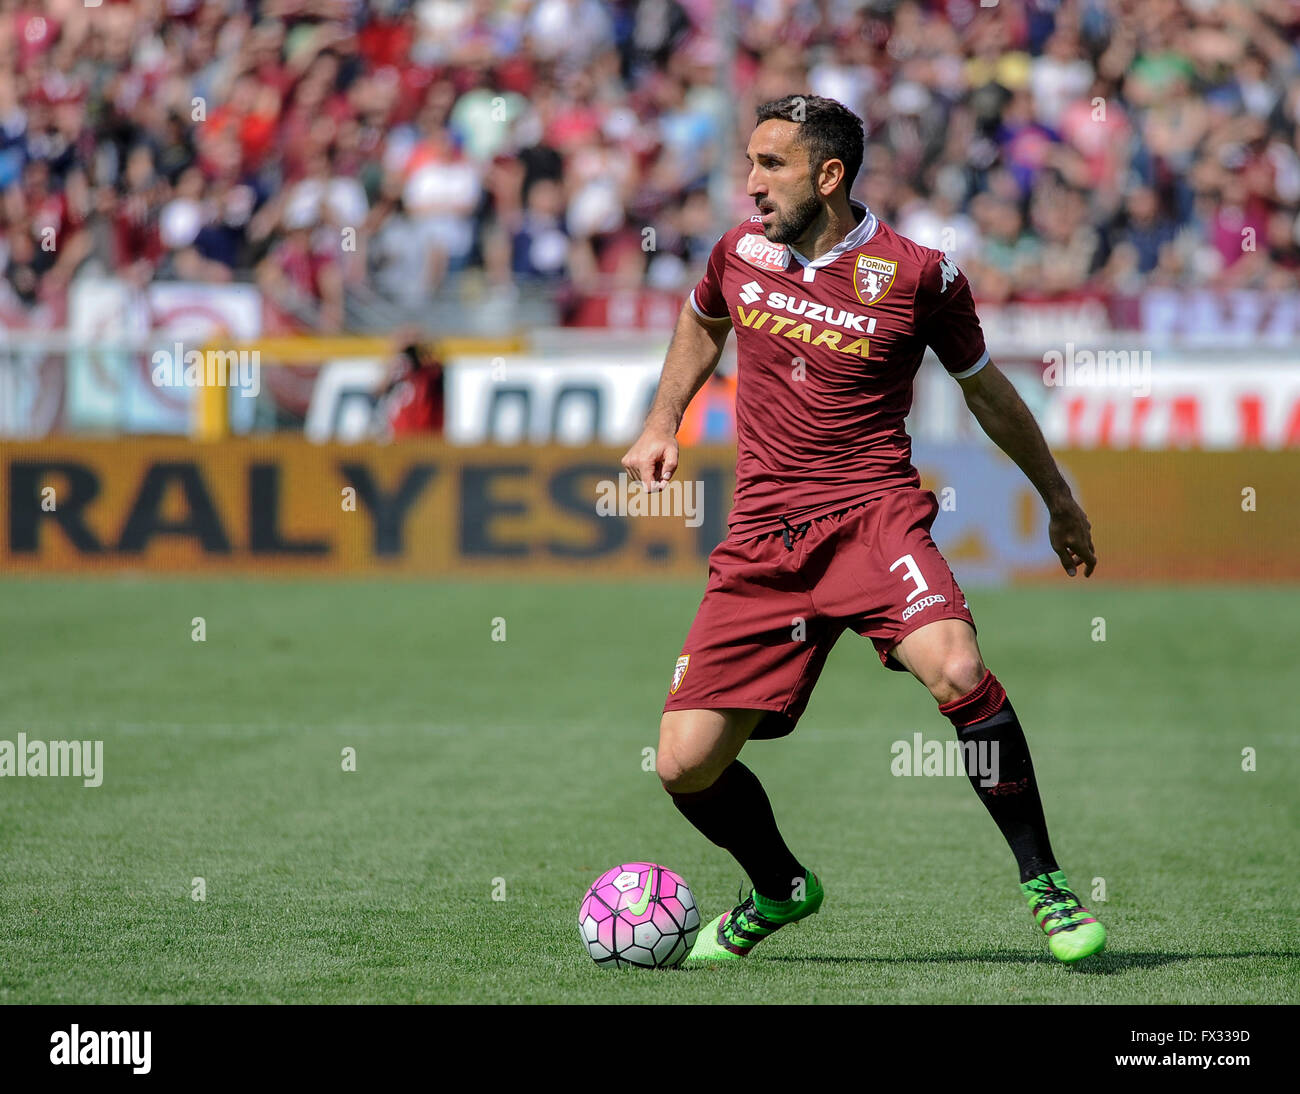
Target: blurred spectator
(139, 206)
(301, 274)
(413, 401)
(539, 247)
(1142, 230)
(22, 270)
(440, 191)
(1010, 255)
(180, 224)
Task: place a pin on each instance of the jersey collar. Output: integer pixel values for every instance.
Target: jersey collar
(861, 234)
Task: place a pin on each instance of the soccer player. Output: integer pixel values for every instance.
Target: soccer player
(832, 311)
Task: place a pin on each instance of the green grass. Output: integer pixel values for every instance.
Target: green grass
(522, 760)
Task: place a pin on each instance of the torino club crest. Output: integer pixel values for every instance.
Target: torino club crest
(872, 278)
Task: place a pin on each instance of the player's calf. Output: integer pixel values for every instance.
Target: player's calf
(985, 719)
(732, 810)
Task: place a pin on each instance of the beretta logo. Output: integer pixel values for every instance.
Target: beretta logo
(757, 251)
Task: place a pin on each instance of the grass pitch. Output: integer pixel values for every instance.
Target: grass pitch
(515, 769)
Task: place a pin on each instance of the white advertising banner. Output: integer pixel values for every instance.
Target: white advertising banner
(539, 400)
(1083, 398)
(111, 382)
(1188, 406)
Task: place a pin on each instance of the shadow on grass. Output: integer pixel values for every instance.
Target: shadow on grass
(1107, 963)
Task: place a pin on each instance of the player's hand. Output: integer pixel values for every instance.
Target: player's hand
(1071, 538)
(652, 459)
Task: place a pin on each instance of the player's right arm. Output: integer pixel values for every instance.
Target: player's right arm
(692, 356)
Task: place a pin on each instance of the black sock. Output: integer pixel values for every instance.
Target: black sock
(986, 716)
(735, 814)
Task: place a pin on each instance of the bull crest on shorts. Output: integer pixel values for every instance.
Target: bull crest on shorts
(873, 277)
(679, 673)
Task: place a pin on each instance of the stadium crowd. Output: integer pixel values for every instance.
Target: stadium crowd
(401, 151)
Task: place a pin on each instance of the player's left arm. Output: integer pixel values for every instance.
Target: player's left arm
(946, 318)
(1002, 414)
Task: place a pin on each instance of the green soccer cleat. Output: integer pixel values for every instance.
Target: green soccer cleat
(733, 934)
(1073, 932)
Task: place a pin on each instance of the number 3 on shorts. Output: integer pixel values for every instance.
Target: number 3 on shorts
(911, 574)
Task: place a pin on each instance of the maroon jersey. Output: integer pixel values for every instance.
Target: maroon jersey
(827, 351)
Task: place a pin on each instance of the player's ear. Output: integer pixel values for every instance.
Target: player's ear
(829, 177)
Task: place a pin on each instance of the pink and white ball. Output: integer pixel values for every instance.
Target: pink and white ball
(639, 914)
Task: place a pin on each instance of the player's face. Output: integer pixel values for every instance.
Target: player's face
(779, 181)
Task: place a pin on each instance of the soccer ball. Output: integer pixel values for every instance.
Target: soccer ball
(639, 914)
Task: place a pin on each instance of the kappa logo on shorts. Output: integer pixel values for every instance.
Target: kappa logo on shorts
(924, 602)
(679, 673)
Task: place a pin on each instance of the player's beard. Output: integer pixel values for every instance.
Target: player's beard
(790, 226)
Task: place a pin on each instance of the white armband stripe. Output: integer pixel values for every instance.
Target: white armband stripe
(984, 360)
(707, 318)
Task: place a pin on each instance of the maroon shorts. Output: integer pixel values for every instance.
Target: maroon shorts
(776, 604)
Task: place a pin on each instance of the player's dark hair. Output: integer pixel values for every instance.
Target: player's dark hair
(829, 130)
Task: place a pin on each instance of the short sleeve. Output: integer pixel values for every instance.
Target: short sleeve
(707, 298)
(946, 319)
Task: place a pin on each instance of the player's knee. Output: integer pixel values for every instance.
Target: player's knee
(679, 775)
(959, 674)
(677, 779)
(668, 768)
(679, 768)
